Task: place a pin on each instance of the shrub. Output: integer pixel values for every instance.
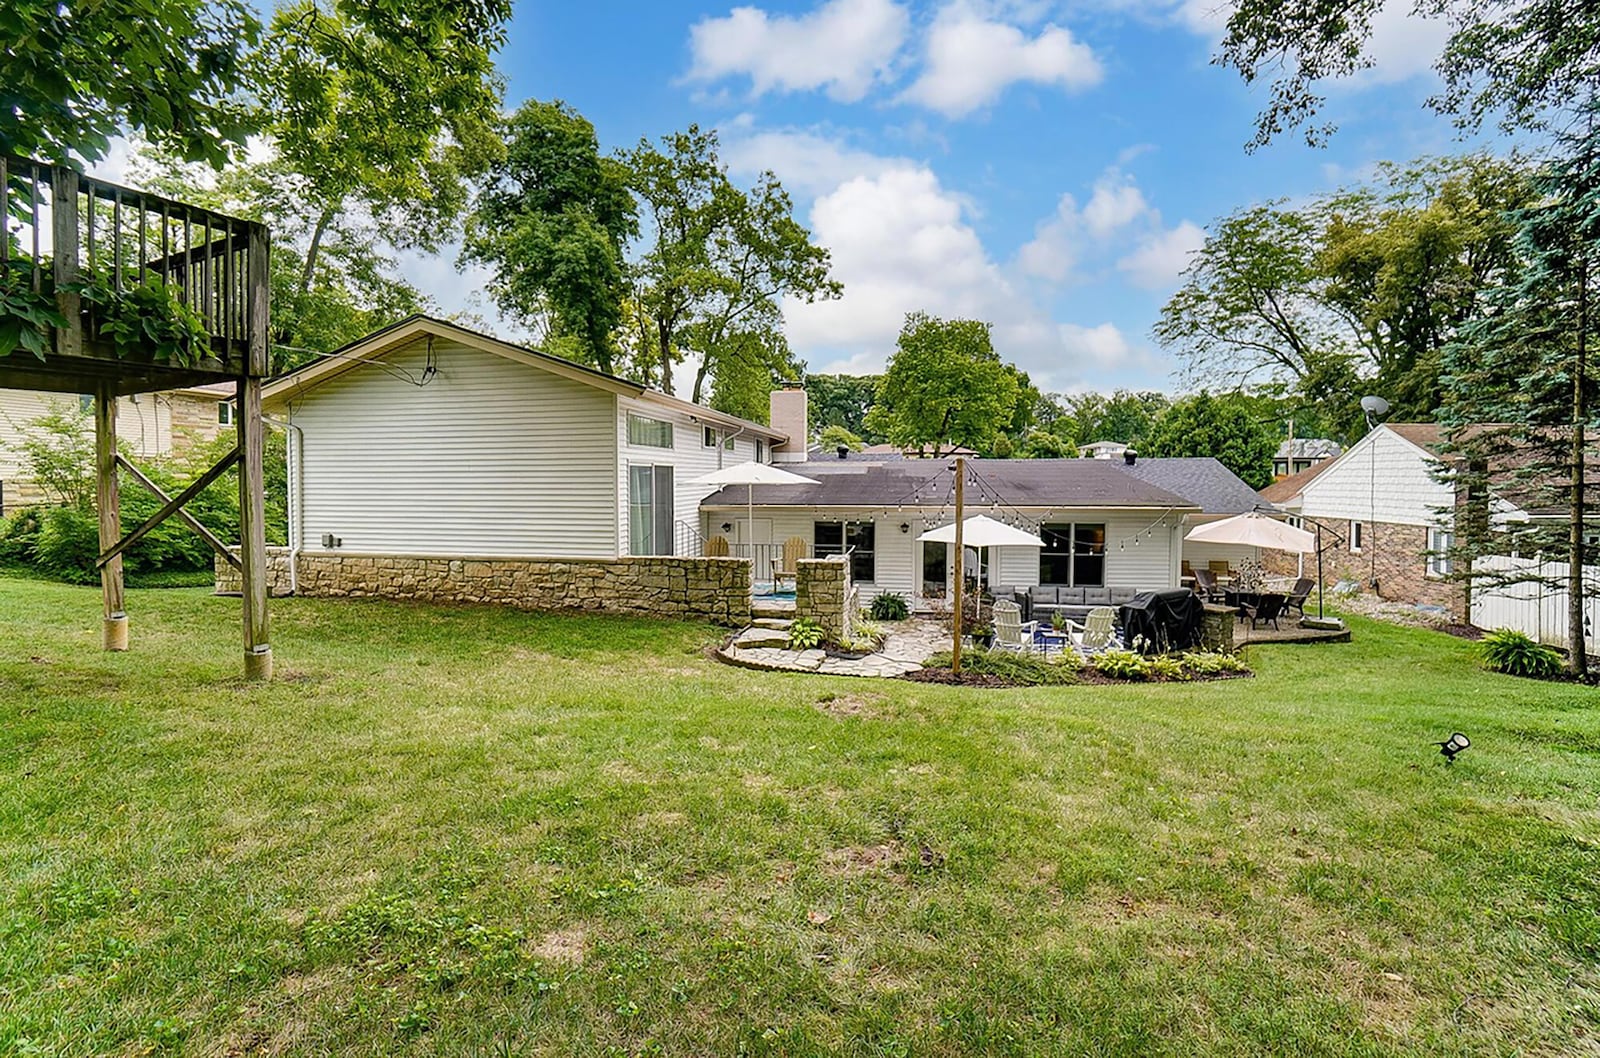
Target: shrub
(887, 606)
(1027, 670)
(805, 634)
(1122, 665)
(67, 545)
(1213, 663)
(1516, 654)
(18, 535)
(1166, 667)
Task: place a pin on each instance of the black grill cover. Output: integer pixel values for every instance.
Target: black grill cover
(1168, 620)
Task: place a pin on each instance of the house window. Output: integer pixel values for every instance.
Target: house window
(761, 450)
(650, 433)
(649, 510)
(708, 437)
(224, 413)
(86, 403)
(1074, 554)
(854, 538)
(1440, 544)
(1356, 536)
(1295, 521)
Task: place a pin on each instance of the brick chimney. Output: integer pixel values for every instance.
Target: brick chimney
(789, 416)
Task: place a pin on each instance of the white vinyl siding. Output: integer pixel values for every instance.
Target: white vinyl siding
(689, 458)
(144, 423)
(1384, 478)
(489, 457)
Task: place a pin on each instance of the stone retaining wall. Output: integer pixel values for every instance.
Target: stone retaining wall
(714, 589)
(823, 593)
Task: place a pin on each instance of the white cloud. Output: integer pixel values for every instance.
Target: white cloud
(843, 47)
(1103, 345)
(971, 58)
(1061, 240)
(808, 162)
(1163, 255)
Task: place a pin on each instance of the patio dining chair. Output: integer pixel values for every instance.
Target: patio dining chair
(1205, 584)
(1011, 632)
(1265, 608)
(1298, 596)
(1097, 634)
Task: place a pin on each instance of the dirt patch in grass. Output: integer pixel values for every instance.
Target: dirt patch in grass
(567, 946)
(958, 679)
(851, 704)
(864, 859)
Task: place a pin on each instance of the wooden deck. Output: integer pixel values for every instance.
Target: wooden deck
(1244, 635)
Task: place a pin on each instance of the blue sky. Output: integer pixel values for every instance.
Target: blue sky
(1043, 166)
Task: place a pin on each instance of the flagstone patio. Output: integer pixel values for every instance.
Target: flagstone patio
(908, 645)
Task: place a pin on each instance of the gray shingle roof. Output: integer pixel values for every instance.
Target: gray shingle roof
(1215, 488)
(1056, 483)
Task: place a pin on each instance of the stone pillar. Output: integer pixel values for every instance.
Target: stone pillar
(1216, 628)
(823, 593)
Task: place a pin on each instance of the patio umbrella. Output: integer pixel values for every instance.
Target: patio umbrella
(751, 474)
(981, 531)
(1255, 530)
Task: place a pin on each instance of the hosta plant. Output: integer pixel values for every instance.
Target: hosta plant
(1517, 654)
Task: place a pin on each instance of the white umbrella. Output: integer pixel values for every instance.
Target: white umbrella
(981, 531)
(750, 474)
(1255, 530)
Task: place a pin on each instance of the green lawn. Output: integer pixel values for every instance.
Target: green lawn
(471, 831)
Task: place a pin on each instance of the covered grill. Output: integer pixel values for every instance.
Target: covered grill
(1167, 620)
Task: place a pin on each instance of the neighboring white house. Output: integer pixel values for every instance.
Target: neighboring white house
(1103, 450)
(426, 438)
(151, 424)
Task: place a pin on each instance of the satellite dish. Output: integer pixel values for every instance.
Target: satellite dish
(1374, 405)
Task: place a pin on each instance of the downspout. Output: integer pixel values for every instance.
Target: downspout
(293, 457)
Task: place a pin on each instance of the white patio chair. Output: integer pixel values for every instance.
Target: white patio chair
(1011, 632)
(1096, 634)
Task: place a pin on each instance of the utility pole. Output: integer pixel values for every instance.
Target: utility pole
(961, 569)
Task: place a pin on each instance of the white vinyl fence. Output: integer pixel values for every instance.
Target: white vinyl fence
(1531, 606)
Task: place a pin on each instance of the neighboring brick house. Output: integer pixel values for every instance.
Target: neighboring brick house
(1386, 518)
(152, 424)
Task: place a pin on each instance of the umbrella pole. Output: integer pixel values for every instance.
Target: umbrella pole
(750, 528)
(961, 571)
(1319, 571)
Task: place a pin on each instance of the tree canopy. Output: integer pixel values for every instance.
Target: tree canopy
(945, 386)
(1228, 427)
(552, 218)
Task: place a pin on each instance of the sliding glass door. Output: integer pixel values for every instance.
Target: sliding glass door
(650, 510)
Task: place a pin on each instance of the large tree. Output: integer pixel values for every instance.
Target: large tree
(1228, 427)
(1361, 287)
(553, 217)
(843, 400)
(77, 73)
(381, 111)
(717, 263)
(1521, 391)
(1124, 416)
(1526, 63)
(945, 386)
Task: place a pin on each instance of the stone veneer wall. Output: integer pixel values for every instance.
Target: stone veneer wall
(1216, 628)
(823, 593)
(714, 589)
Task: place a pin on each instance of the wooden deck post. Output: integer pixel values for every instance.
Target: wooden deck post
(253, 532)
(64, 233)
(108, 502)
(252, 502)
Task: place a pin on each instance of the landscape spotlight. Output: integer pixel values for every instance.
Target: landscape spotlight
(1453, 745)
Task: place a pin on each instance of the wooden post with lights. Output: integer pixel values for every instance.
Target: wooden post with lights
(961, 569)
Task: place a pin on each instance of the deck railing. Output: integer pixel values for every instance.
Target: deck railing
(62, 226)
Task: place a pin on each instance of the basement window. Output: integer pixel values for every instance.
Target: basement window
(1356, 536)
(1440, 544)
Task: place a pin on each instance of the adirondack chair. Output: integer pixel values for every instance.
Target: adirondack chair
(1011, 632)
(717, 547)
(1097, 633)
(1266, 608)
(794, 549)
(1298, 596)
(1205, 583)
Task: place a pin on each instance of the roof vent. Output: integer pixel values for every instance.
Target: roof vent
(843, 450)
(1130, 457)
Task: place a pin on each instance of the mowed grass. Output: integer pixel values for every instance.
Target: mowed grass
(473, 831)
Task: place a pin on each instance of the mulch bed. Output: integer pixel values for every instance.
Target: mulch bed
(1086, 677)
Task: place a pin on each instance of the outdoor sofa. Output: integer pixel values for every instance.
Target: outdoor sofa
(1043, 601)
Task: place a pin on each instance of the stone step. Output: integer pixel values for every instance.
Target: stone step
(760, 609)
(761, 637)
(772, 622)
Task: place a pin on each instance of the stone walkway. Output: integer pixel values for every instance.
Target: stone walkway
(908, 645)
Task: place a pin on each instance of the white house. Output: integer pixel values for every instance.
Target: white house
(426, 438)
